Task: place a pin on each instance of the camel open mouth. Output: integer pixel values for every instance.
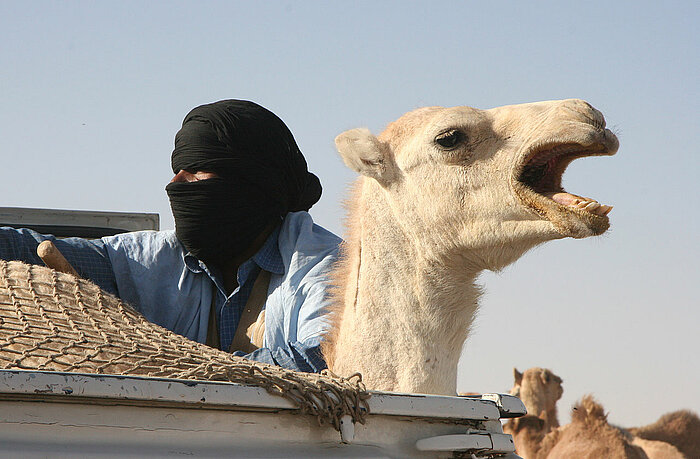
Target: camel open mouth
(539, 179)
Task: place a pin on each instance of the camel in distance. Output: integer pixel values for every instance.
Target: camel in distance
(537, 435)
(443, 194)
(539, 389)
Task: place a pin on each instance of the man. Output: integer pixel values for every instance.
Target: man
(239, 198)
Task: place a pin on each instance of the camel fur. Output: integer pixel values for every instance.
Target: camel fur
(528, 433)
(657, 449)
(588, 436)
(444, 194)
(678, 428)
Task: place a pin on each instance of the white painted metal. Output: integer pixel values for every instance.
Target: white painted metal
(508, 405)
(137, 389)
(435, 406)
(65, 415)
(347, 429)
(474, 441)
(223, 394)
(126, 221)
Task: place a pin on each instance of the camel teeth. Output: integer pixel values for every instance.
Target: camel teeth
(603, 210)
(590, 205)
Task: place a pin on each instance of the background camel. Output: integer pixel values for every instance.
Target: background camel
(446, 193)
(674, 436)
(588, 436)
(539, 389)
(528, 433)
(679, 428)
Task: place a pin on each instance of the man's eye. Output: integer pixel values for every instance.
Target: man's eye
(450, 139)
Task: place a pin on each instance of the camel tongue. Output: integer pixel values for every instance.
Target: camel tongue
(587, 204)
(565, 199)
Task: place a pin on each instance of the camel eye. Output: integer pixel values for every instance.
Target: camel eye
(450, 139)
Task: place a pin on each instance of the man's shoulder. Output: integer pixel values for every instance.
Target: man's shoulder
(144, 242)
(307, 249)
(299, 233)
(298, 298)
(146, 236)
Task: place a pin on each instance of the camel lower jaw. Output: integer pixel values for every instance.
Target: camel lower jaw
(577, 202)
(572, 216)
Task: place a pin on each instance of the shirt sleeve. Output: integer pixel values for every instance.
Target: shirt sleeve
(306, 357)
(296, 315)
(88, 257)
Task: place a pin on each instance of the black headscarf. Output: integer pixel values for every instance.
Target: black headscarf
(263, 176)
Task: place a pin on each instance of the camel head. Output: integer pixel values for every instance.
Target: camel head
(485, 182)
(443, 194)
(539, 389)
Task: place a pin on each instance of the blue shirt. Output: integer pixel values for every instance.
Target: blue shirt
(153, 272)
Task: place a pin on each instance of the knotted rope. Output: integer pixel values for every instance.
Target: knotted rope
(57, 322)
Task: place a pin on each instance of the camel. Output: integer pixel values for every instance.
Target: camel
(591, 436)
(528, 433)
(656, 449)
(539, 389)
(679, 428)
(444, 194)
(588, 436)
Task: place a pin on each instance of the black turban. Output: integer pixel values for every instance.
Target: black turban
(262, 177)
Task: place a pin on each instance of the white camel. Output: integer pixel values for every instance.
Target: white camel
(444, 194)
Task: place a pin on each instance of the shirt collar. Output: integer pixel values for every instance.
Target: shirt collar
(268, 257)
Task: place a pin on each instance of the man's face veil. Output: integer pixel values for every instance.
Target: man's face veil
(262, 177)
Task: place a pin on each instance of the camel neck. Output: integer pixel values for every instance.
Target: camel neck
(406, 310)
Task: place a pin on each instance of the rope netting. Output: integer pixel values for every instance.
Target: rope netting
(57, 322)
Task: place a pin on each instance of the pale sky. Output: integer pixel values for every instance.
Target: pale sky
(92, 93)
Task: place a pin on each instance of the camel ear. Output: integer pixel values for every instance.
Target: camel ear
(364, 153)
(517, 376)
(544, 376)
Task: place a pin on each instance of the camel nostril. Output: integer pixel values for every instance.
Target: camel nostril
(585, 112)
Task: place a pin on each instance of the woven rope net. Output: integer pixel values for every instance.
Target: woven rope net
(58, 322)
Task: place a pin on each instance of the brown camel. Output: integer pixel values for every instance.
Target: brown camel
(588, 436)
(539, 389)
(679, 428)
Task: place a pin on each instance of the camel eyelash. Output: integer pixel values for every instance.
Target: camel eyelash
(451, 139)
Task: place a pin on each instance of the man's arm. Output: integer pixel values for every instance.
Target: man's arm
(88, 257)
(296, 310)
(297, 356)
(308, 310)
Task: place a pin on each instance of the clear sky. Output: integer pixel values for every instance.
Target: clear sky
(92, 93)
